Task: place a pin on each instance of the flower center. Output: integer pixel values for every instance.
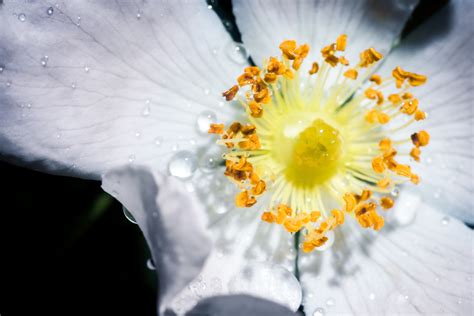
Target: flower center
(324, 147)
(311, 155)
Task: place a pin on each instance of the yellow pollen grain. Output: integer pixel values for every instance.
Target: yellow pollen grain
(351, 74)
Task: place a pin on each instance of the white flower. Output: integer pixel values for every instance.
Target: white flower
(88, 87)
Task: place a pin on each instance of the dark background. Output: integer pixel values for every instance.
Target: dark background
(66, 247)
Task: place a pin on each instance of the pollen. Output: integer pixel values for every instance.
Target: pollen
(316, 144)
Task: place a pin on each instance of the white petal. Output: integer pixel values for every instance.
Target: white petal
(423, 268)
(238, 305)
(442, 49)
(172, 221)
(87, 85)
(265, 24)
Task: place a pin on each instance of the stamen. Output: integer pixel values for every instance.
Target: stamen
(297, 141)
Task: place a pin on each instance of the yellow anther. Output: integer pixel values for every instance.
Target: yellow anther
(407, 95)
(314, 68)
(216, 129)
(332, 60)
(369, 57)
(386, 202)
(275, 66)
(341, 42)
(339, 216)
(409, 107)
(415, 179)
(415, 153)
(259, 188)
(420, 115)
(288, 49)
(351, 74)
(383, 118)
(343, 61)
(288, 74)
(365, 195)
(245, 79)
(314, 216)
(243, 199)
(371, 93)
(380, 98)
(401, 75)
(403, 170)
(367, 216)
(350, 201)
(383, 183)
(385, 144)
(270, 77)
(378, 164)
(328, 51)
(376, 79)
(420, 139)
(371, 116)
(256, 109)
(395, 98)
(230, 94)
(268, 217)
(254, 70)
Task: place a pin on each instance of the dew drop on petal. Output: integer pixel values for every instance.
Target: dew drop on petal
(150, 264)
(183, 164)
(73, 85)
(2, 68)
(87, 69)
(319, 312)
(8, 84)
(50, 11)
(139, 15)
(44, 61)
(131, 158)
(395, 192)
(211, 159)
(138, 134)
(330, 302)
(146, 111)
(22, 17)
(445, 221)
(405, 212)
(372, 296)
(237, 53)
(158, 141)
(204, 121)
(268, 281)
(128, 215)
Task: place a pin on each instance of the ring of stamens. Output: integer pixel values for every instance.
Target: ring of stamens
(316, 148)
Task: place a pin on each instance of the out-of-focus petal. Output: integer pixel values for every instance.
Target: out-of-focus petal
(238, 305)
(265, 24)
(423, 268)
(89, 85)
(443, 50)
(172, 220)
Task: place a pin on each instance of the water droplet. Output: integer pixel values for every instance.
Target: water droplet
(204, 120)
(58, 135)
(78, 21)
(183, 164)
(131, 158)
(158, 141)
(87, 69)
(192, 141)
(371, 296)
(138, 134)
(50, 11)
(175, 147)
(445, 221)
(2, 68)
(139, 15)
(44, 61)
(330, 302)
(237, 53)
(209, 7)
(319, 312)
(395, 192)
(211, 159)
(407, 206)
(207, 91)
(8, 84)
(150, 264)
(22, 17)
(436, 279)
(73, 85)
(268, 281)
(146, 111)
(128, 215)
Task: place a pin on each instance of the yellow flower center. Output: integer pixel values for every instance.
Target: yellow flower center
(319, 142)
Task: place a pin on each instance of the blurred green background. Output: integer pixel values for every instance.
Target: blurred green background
(66, 247)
